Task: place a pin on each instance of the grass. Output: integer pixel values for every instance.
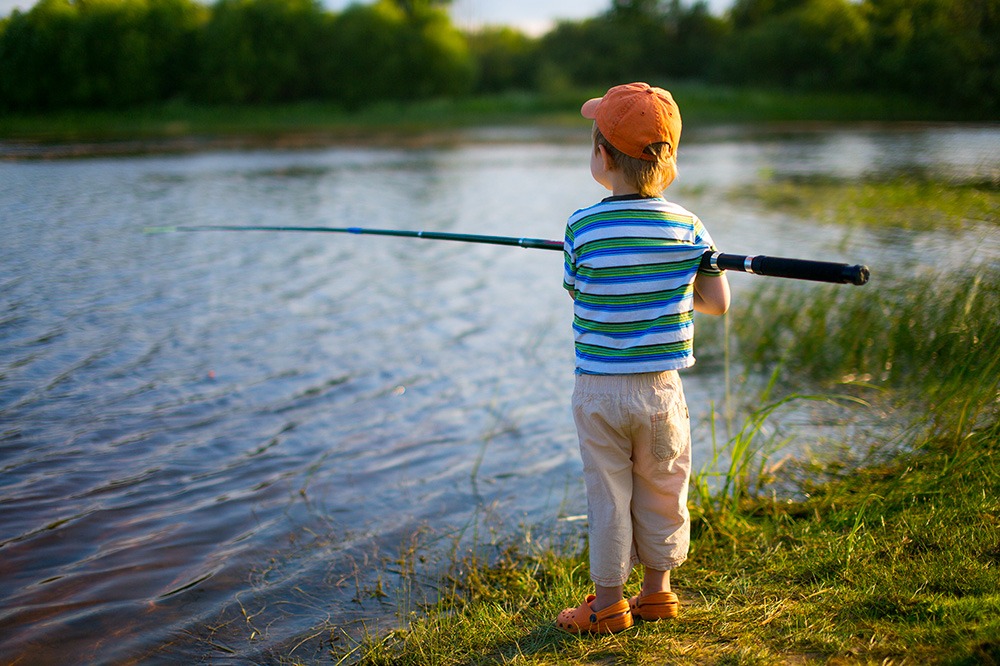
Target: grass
(930, 333)
(903, 202)
(893, 558)
(878, 567)
(880, 549)
(179, 119)
(328, 122)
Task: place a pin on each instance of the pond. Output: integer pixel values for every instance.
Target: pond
(212, 443)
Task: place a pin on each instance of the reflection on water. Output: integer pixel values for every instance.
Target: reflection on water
(212, 442)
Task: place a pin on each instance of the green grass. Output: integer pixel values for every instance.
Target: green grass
(265, 122)
(701, 103)
(893, 559)
(904, 202)
(928, 333)
(895, 563)
(324, 121)
(883, 548)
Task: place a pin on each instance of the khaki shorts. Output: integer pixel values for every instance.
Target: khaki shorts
(635, 441)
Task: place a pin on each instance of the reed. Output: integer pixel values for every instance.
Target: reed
(931, 340)
(891, 557)
(742, 469)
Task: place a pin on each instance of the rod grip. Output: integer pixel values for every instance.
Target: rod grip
(798, 269)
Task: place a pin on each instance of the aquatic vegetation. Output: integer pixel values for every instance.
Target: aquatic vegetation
(905, 202)
(930, 338)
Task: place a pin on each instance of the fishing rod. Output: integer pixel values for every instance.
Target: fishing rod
(798, 269)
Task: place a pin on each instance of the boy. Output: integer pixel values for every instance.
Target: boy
(632, 268)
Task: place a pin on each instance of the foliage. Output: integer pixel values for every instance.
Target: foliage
(916, 42)
(817, 44)
(119, 53)
(72, 54)
(383, 53)
(636, 40)
(505, 60)
(260, 51)
(106, 53)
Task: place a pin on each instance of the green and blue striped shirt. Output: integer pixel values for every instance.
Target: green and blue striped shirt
(632, 262)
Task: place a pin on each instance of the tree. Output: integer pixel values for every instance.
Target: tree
(261, 51)
(40, 63)
(437, 60)
(636, 39)
(174, 27)
(942, 50)
(505, 59)
(381, 52)
(97, 53)
(818, 44)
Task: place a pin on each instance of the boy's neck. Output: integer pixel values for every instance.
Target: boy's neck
(618, 185)
(623, 191)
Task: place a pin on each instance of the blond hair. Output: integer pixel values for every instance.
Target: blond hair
(649, 177)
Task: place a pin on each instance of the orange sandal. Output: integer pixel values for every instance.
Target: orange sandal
(583, 619)
(656, 606)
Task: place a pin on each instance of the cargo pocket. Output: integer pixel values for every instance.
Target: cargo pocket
(671, 432)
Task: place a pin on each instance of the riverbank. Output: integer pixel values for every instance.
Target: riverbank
(882, 547)
(892, 563)
(181, 127)
(889, 557)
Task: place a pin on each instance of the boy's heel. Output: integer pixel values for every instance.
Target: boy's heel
(656, 606)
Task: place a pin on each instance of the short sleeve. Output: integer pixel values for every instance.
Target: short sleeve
(704, 240)
(569, 263)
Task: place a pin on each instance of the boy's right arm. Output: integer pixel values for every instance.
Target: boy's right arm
(711, 294)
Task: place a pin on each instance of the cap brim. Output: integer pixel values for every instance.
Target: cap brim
(589, 108)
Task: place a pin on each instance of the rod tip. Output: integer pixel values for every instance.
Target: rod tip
(159, 230)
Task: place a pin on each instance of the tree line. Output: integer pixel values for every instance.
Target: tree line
(118, 53)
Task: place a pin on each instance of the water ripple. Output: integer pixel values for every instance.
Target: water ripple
(208, 435)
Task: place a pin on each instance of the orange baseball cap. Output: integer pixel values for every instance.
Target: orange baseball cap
(634, 115)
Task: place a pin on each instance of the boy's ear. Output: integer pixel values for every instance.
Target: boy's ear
(609, 161)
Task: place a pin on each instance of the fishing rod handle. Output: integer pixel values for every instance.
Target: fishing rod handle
(799, 269)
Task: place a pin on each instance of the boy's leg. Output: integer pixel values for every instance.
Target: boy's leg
(655, 601)
(607, 467)
(607, 596)
(654, 580)
(662, 456)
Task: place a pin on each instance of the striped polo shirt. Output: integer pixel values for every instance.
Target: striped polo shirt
(632, 262)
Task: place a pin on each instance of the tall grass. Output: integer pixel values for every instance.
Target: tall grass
(742, 468)
(933, 340)
(896, 561)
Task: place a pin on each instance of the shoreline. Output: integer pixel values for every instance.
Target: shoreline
(44, 148)
(177, 127)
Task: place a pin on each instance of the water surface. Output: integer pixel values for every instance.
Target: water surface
(212, 443)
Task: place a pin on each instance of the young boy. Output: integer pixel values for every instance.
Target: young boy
(632, 268)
